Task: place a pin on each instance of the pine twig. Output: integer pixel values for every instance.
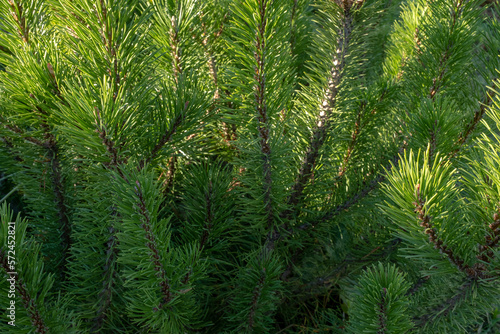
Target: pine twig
(476, 271)
(262, 114)
(29, 303)
(255, 298)
(209, 216)
(106, 292)
(447, 306)
(64, 222)
(471, 126)
(20, 18)
(153, 247)
(327, 105)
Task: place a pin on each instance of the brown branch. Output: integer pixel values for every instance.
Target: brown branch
(169, 177)
(262, 114)
(20, 18)
(471, 126)
(491, 240)
(18, 130)
(358, 196)
(255, 298)
(351, 201)
(447, 306)
(174, 46)
(352, 144)
(212, 65)
(420, 282)
(108, 143)
(65, 225)
(425, 221)
(212, 62)
(319, 134)
(29, 303)
(433, 143)
(111, 48)
(382, 310)
(344, 206)
(152, 245)
(326, 108)
(437, 81)
(229, 130)
(418, 47)
(358, 126)
(326, 282)
(10, 147)
(209, 218)
(105, 294)
(57, 182)
(107, 289)
(167, 136)
(362, 193)
(293, 36)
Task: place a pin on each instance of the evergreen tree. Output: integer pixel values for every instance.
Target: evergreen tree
(250, 166)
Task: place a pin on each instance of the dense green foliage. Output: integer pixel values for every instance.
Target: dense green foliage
(250, 166)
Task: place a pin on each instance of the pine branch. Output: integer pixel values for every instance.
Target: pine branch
(177, 71)
(379, 302)
(358, 126)
(448, 305)
(61, 205)
(14, 128)
(78, 67)
(110, 45)
(437, 82)
(230, 134)
(255, 298)
(10, 147)
(419, 284)
(167, 136)
(169, 177)
(362, 193)
(382, 318)
(443, 67)
(344, 206)
(327, 106)
(211, 60)
(175, 49)
(105, 295)
(477, 271)
(352, 143)
(52, 148)
(326, 282)
(229, 130)
(108, 143)
(293, 37)
(471, 126)
(212, 65)
(491, 240)
(29, 303)
(209, 217)
(261, 106)
(152, 245)
(20, 18)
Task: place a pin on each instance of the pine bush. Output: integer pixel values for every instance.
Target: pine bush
(250, 166)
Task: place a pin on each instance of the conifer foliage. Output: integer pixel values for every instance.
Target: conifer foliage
(250, 166)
